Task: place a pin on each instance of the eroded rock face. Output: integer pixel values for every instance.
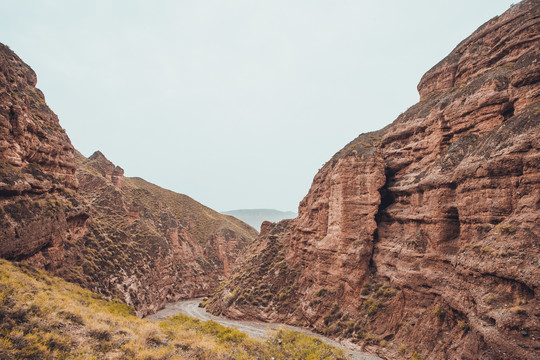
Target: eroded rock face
(38, 208)
(422, 236)
(83, 220)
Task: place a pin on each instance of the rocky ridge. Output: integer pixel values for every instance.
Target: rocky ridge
(422, 237)
(82, 219)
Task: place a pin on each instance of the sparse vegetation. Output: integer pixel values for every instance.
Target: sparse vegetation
(379, 295)
(439, 312)
(518, 308)
(403, 349)
(505, 228)
(484, 228)
(366, 289)
(491, 298)
(334, 314)
(385, 291)
(487, 249)
(271, 283)
(463, 325)
(322, 292)
(372, 306)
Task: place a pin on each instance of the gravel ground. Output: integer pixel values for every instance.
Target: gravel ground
(253, 328)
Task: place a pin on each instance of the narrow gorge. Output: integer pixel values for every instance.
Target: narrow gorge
(417, 241)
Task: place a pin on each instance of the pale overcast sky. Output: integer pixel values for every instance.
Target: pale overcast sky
(234, 103)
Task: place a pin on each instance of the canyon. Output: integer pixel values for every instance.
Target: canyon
(421, 239)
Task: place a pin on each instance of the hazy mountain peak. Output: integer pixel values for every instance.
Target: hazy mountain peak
(255, 217)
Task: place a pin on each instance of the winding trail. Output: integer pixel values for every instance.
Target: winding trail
(255, 329)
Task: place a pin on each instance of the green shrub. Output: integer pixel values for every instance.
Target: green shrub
(403, 349)
(372, 306)
(439, 312)
(505, 228)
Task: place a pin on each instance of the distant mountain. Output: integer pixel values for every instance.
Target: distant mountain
(255, 217)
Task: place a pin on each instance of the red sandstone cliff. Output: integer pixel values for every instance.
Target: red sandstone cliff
(81, 219)
(38, 209)
(424, 236)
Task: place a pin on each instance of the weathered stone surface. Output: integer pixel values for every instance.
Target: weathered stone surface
(37, 168)
(422, 236)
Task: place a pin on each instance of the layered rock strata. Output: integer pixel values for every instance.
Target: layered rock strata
(38, 206)
(424, 236)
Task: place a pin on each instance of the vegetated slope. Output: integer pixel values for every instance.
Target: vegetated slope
(79, 218)
(44, 317)
(148, 245)
(423, 236)
(255, 217)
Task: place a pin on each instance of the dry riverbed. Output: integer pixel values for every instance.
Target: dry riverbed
(256, 329)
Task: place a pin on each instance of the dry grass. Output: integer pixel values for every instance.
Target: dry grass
(44, 317)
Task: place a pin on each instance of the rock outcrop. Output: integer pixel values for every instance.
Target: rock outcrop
(82, 219)
(423, 236)
(38, 208)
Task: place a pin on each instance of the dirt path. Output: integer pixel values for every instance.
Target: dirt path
(253, 328)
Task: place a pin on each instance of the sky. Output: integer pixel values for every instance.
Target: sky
(236, 103)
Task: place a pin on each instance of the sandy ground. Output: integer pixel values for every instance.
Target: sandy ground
(253, 328)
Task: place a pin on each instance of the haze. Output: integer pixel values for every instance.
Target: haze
(234, 103)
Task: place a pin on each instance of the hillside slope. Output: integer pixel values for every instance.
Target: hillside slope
(81, 219)
(423, 236)
(147, 245)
